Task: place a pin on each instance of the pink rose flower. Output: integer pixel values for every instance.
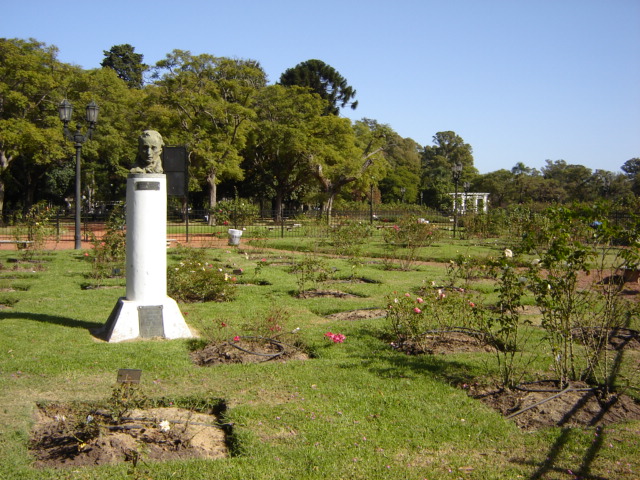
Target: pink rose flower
(335, 337)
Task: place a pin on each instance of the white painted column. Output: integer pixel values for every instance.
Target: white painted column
(146, 311)
(146, 238)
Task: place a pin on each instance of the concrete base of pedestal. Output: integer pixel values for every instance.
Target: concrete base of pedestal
(131, 320)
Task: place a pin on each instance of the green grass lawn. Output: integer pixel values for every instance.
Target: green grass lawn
(356, 410)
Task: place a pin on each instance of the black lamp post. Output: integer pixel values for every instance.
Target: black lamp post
(65, 109)
(457, 172)
(467, 187)
(371, 202)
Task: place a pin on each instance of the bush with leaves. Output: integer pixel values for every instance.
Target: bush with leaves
(35, 228)
(612, 265)
(404, 239)
(109, 251)
(462, 269)
(193, 279)
(276, 322)
(554, 282)
(348, 239)
(309, 270)
(502, 327)
(433, 312)
(578, 318)
(235, 213)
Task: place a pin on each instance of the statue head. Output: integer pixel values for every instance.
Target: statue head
(149, 158)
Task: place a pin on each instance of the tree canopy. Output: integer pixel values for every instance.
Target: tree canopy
(323, 80)
(126, 63)
(208, 106)
(438, 160)
(283, 144)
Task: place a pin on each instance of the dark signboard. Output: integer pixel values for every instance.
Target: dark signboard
(176, 168)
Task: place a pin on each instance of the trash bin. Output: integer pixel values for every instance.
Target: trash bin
(234, 236)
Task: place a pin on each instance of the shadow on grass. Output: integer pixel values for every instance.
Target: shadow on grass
(391, 364)
(53, 319)
(398, 364)
(550, 465)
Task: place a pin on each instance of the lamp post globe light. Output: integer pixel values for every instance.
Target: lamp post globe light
(457, 173)
(65, 110)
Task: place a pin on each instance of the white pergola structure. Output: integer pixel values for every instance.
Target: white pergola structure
(463, 200)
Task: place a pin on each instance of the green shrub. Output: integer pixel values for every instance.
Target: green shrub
(405, 238)
(196, 280)
(434, 311)
(108, 252)
(349, 238)
(235, 213)
(309, 270)
(36, 228)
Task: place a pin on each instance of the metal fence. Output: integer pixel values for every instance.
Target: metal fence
(59, 227)
(195, 227)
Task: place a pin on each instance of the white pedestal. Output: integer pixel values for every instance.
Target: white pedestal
(132, 320)
(146, 311)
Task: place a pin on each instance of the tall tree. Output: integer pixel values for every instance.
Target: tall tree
(631, 168)
(524, 181)
(499, 185)
(108, 158)
(126, 63)
(438, 160)
(575, 180)
(210, 102)
(283, 141)
(343, 156)
(402, 183)
(323, 80)
(30, 76)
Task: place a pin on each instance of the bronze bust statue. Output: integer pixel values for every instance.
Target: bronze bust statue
(148, 159)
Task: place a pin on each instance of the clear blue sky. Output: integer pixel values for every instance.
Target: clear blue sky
(519, 80)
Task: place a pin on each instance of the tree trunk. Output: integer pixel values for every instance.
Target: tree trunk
(4, 165)
(327, 206)
(278, 206)
(213, 193)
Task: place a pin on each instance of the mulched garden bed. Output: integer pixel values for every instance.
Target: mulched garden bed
(354, 315)
(325, 293)
(247, 350)
(443, 343)
(544, 403)
(73, 436)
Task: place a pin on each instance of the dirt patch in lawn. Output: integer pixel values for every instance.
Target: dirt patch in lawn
(71, 436)
(443, 343)
(325, 294)
(247, 350)
(617, 338)
(629, 290)
(544, 404)
(354, 315)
